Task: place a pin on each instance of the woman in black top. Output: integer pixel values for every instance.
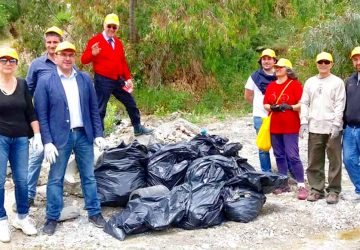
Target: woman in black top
(18, 122)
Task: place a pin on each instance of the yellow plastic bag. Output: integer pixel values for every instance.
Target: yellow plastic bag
(263, 139)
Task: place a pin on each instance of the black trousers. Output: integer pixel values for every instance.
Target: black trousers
(106, 87)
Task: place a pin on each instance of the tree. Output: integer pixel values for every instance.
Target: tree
(132, 27)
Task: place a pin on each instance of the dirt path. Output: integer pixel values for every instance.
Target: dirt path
(284, 223)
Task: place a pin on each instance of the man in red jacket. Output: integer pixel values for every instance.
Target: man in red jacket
(112, 74)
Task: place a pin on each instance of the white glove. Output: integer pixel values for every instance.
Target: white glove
(37, 146)
(51, 153)
(304, 128)
(334, 132)
(101, 143)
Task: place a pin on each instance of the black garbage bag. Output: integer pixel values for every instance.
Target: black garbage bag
(156, 212)
(205, 207)
(209, 144)
(168, 165)
(231, 149)
(242, 205)
(213, 168)
(244, 165)
(153, 148)
(119, 171)
(261, 182)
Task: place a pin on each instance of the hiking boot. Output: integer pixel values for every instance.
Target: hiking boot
(281, 190)
(27, 225)
(314, 196)
(141, 130)
(31, 203)
(302, 193)
(332, 198)
(49, 227)
(4, 231)
(351, 197)
(97, 220)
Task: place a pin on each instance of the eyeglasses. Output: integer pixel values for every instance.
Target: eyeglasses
(324, 61)
(114, 27)
(11, 61)
(71, 56)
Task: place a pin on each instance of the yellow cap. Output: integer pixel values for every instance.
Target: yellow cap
(55, 30)
(284, 63)
(268, 52)
(324, 56)
(112, 19)
(355, 51)
(10, 52)
(65, 45)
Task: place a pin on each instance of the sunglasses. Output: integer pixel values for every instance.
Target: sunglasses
(324, 61)
(114, 27)
(11, 61)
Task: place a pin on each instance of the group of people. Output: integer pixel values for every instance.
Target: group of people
(325, 107)
(63, 111)
(69, 110)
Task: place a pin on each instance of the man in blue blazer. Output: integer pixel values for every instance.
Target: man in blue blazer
(69, 119)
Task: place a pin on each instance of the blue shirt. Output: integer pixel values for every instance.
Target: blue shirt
(108, 38)
(38, 68)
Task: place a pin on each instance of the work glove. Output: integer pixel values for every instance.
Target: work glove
(51, 153)
(304, 128)
(334, 132)
(37, 146)
(275, 108)
(101, 143)
(285, 106)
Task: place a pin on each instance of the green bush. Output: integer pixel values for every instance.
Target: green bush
(338, 37)
(196, 55)
(162, 100)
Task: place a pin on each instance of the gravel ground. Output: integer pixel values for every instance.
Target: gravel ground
(284, 222)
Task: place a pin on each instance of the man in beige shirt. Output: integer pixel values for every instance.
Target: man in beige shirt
(322, 107)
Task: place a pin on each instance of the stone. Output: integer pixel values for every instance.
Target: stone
(69, 213)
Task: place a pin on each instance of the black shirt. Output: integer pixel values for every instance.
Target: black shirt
(17, 112)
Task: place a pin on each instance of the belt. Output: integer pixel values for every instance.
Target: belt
(76, 129)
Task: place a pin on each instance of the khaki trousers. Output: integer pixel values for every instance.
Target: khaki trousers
(318, 144)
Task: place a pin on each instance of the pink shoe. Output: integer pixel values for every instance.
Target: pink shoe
(302, 193)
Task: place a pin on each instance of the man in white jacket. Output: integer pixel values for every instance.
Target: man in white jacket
(322, 107)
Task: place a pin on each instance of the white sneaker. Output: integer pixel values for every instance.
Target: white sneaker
(27, 225)
(351, 197)
(4, 231)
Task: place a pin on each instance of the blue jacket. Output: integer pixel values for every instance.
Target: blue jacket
(53, 112)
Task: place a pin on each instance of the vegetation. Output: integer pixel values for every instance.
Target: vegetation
(195, 55)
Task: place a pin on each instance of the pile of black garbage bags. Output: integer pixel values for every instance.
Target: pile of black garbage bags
(195, 184)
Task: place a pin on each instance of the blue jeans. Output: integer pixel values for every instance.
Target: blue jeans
(16, 150)
(264, 156)
(351, 154)
(84, 156)
(35, 162)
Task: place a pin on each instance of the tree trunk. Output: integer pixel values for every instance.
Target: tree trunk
(132, 26)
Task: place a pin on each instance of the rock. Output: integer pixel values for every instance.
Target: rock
(41, 192)
(71, 174)
(69, 213)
